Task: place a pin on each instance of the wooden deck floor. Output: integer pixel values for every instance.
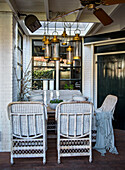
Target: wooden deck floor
(109, 162)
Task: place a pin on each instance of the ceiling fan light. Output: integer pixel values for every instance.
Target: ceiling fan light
(102, 16)
(112, 2)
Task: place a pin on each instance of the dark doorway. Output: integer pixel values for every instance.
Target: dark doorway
(111, 80)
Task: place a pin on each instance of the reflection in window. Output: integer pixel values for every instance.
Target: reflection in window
(42, 69)
(70, 75)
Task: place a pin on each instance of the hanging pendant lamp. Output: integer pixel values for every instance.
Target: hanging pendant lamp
(69, 51)
(43, 42)
(55, 46)
(77, 47)
(69, 55)
(64, 38)
(47, 54)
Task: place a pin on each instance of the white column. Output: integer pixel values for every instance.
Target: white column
(45, 88)
(57, 94)
(51, 88)
(57, 75)
(45, 97)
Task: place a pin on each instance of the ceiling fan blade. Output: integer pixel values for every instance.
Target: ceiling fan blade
(102, 16)
(65, 14)
(112, 2)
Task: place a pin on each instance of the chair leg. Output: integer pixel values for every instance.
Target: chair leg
(59, 160)
(44, 160)
(11, 160)
(59, 156)
(90, 158)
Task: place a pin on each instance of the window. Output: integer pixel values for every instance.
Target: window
(42, 68)
(70, 76)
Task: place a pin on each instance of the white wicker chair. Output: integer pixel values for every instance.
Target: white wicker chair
(74, 123)
(28, 130)
(108, 105)
(105, 134)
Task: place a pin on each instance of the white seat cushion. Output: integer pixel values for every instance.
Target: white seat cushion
(79, 98)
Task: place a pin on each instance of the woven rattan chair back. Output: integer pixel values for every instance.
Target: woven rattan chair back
(74, 123)
(109, 103)
(28, 129)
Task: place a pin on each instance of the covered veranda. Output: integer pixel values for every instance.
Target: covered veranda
(98, 72)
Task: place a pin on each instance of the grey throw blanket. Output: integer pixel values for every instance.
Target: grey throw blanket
(105, 134)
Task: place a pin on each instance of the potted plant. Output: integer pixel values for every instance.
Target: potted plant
(53, 103)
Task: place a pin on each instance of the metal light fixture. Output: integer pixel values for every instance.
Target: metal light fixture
(69, 50)
(64, 38)
(47, 53)
(69, 55)
(32, 23)
(55, 46)
(77, 47)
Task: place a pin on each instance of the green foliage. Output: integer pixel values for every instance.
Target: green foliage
(69, 87)
(66, 87)
(42, 74)
(56, 101)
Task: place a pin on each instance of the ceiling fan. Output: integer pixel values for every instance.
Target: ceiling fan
(104, 18)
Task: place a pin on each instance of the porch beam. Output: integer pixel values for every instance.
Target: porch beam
(78, 15)
(46, 5)
(13, 7)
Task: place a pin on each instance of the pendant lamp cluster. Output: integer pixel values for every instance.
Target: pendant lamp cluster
(51, 47)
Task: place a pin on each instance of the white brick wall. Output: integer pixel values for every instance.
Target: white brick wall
(88, 72)
(6, 35)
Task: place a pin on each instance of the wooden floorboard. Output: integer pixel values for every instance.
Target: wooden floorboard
(108, 162)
